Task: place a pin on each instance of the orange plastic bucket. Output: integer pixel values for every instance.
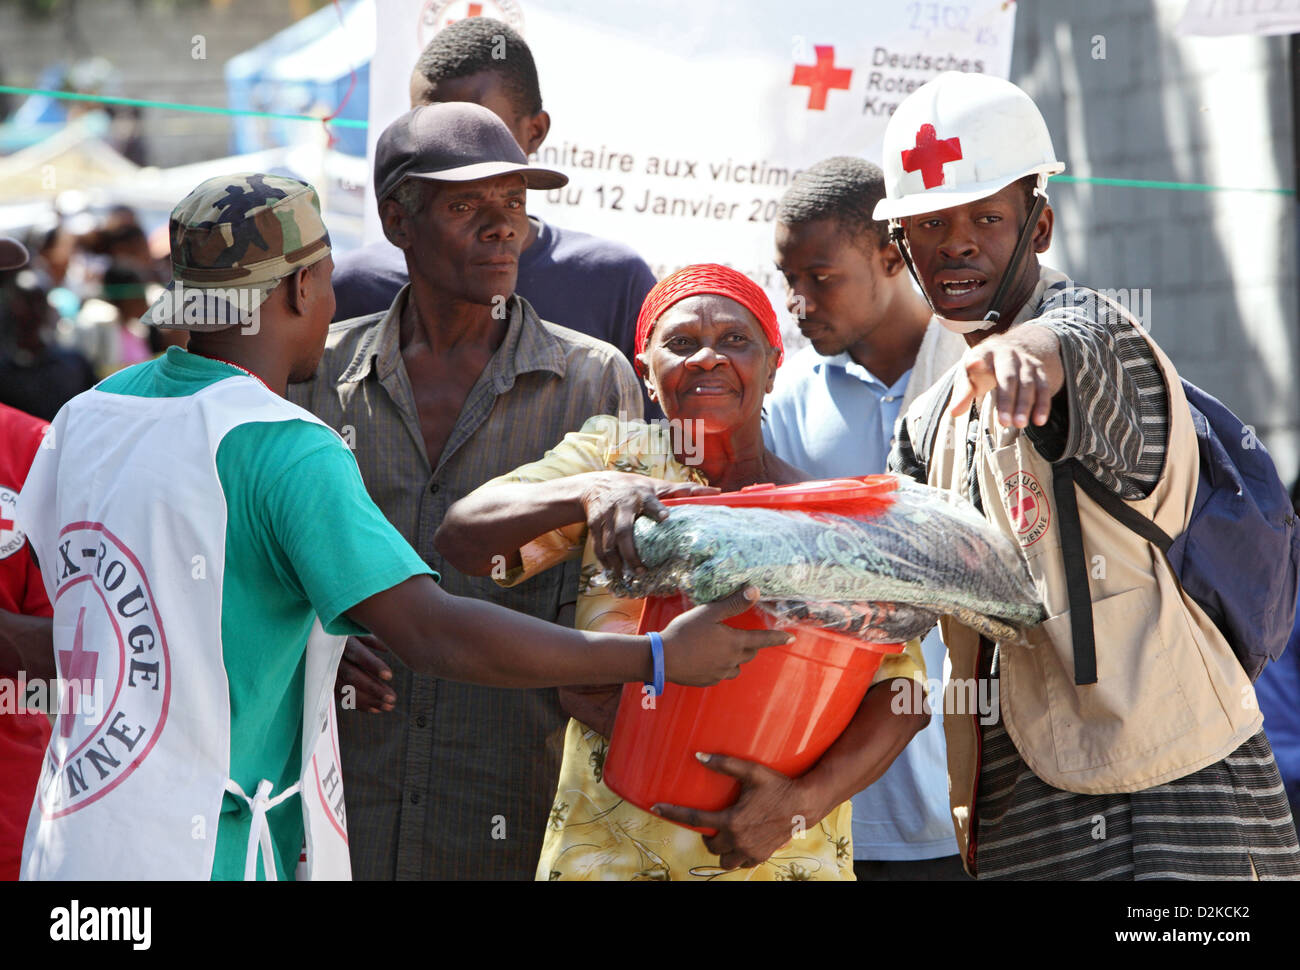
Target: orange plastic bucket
(788, 705)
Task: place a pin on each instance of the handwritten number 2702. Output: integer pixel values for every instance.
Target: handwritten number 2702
(931, 16)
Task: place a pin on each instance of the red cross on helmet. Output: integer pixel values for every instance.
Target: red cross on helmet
(956, 139)
(959, 138)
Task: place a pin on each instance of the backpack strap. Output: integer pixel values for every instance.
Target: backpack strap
(933, 416)
(1065, 475)
(1118, 509)
(1076, 573)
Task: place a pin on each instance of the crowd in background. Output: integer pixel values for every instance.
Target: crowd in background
(72, 315)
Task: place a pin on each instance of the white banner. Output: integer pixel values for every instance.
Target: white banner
(1217, 18)
(680, 123)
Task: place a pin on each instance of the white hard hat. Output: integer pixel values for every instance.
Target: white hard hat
(959, 138)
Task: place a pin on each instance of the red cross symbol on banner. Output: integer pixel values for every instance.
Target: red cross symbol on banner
(821, 77)
(6, 525)
(1020, 511)
(79, 670)
(929, 155)
(475, 10)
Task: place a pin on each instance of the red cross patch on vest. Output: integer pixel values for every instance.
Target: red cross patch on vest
(1027, 506)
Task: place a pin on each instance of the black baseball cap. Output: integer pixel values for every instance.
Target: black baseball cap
(453, 141)
(12, 253)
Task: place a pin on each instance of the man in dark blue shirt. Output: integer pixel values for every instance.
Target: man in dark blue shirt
(36, 374)
(1278, 690)
(582, 282)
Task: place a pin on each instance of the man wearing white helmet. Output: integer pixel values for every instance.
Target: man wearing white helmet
(1144, 758)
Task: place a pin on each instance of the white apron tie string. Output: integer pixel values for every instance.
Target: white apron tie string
(260, 832)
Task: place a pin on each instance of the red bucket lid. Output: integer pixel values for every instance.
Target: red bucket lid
(804, 493)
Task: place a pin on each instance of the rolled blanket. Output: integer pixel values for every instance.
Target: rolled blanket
(884, 576)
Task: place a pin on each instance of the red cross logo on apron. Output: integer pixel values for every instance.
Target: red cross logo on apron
(930, 154)
(79, 670)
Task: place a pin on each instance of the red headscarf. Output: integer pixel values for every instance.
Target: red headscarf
(707, 278)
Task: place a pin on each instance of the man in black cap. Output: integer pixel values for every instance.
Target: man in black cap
(457, 382)
(579, 281)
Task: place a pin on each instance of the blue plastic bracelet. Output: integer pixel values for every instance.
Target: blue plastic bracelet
(657, 651)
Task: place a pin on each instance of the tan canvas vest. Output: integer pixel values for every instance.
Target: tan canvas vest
(1170, 697)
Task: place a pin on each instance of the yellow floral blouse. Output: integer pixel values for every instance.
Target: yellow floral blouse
(592, 833)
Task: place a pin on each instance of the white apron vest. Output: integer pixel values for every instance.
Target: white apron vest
(126, 513)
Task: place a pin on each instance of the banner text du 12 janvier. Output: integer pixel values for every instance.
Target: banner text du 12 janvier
(618, 197)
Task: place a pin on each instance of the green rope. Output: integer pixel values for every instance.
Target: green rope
(1175, 186)
(174, 106)
(360, 123)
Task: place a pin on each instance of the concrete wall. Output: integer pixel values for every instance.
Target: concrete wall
(1221, 266)
(152, 47)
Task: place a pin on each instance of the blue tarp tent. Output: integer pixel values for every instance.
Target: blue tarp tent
(39, 115)
(302, 70)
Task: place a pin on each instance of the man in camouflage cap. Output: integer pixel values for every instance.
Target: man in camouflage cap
(251, 272)
(196, 457)
(233, 239)
(185, 509)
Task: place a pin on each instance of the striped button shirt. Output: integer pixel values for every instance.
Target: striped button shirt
(456, 783)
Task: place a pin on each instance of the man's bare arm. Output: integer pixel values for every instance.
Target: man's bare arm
(457, 638)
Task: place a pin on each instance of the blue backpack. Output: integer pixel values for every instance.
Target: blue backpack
(1239, 558)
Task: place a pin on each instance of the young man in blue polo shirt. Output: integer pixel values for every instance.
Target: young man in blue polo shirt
(874, 348)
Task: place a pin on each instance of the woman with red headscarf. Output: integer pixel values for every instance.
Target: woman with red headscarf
(708, 346)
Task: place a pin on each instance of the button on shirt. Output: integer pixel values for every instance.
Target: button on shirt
(831, 417)
(457, 782)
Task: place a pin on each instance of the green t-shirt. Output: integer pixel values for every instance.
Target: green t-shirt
(303, 539)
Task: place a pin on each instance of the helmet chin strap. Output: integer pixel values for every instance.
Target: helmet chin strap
(994, 315)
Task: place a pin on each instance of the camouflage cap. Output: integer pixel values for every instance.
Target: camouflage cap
(233, 239)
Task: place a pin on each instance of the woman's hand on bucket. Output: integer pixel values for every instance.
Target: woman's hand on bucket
(771, 811)
(613, 500)
(699, 649)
